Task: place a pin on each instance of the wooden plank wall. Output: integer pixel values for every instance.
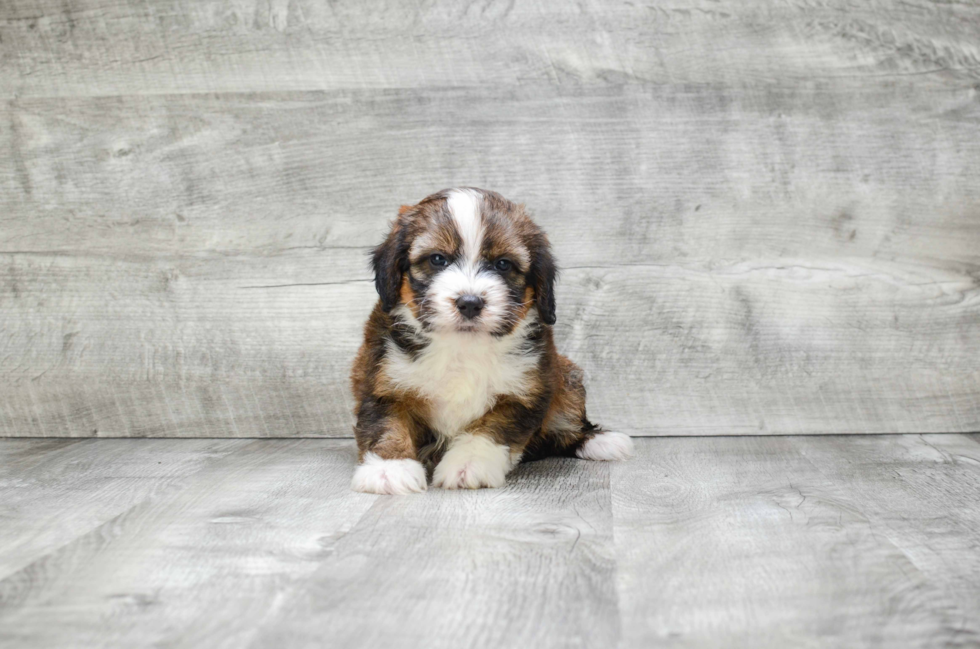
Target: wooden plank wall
(768, 213)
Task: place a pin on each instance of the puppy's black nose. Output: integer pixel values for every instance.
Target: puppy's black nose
(469, 305)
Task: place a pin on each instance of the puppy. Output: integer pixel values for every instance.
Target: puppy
(458, 372)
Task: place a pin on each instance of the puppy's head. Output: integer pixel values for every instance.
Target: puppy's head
(466, 260)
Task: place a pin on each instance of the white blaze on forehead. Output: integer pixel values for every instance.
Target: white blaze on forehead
(464, 205)
(466, 275)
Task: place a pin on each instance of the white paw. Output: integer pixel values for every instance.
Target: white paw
(473, 462)
(606, 446)
(396, 477)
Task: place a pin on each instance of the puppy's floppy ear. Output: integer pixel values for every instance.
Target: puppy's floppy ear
(390, 261)
(542, 276)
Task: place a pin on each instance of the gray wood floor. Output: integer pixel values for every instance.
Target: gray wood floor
(715, 542)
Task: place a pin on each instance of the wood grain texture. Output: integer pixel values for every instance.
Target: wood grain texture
(725, 312)
(745, 539)
(210, 559)
(96, 483)
(475, 569)
(882, 476)
(857, 541)
(766, 212)
(114, 47)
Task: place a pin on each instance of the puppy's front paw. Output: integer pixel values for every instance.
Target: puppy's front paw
(473, 462)
(606, 446)
(395, 477)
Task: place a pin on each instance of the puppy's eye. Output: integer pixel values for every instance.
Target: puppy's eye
(439, 261)
(503, 265)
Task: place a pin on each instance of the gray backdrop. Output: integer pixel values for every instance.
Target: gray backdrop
(767, 213)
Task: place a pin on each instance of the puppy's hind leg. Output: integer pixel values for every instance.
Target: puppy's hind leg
(604, 445)
(567, 429)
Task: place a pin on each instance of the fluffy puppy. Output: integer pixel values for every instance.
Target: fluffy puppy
(458, 372)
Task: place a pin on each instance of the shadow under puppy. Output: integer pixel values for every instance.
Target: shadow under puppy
(458, 371)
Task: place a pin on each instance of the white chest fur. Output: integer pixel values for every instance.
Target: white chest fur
(461, 375)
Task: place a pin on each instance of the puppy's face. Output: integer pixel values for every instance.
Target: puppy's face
(466, 260)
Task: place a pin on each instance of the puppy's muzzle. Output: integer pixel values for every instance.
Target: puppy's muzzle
(469, 306)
